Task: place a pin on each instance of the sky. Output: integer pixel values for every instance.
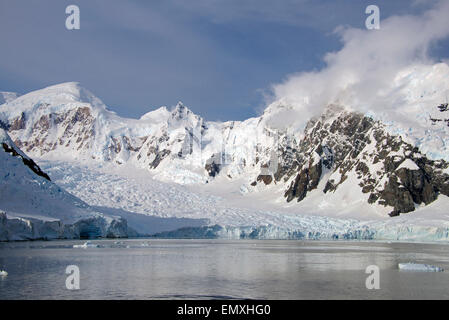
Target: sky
(225, 59)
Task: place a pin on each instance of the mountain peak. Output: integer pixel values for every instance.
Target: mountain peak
(158, 114)
(180, 106)
(57, 96)
(67, 88)
(71, 92)
(180, 111)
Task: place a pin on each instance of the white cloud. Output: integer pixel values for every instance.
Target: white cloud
(366, 67)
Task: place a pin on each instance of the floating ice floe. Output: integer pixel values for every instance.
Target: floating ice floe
(118, 244)
(87, 244)
(3, 273)
(410, 266)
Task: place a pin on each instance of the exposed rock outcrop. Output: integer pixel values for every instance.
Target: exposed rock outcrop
(389, 171)
(213, 165)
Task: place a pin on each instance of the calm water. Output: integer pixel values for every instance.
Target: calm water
(211, 269)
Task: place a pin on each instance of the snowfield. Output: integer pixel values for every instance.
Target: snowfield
(219, 211)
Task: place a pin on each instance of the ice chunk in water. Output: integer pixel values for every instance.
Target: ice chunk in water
(87, 244)
(410, 266)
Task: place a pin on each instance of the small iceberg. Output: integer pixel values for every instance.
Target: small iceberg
(3, 273)
(410, 266)
(87, 244)
(145, 244)
(118, 244)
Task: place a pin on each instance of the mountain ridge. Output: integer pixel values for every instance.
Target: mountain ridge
(339, 151)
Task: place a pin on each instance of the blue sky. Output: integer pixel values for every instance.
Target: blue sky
(220, 57)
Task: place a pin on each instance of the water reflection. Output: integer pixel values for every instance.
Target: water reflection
(212, 269)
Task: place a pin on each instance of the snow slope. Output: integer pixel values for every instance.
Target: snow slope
(415, 94)
(33, 207)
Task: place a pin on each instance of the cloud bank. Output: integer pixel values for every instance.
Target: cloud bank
(365, 71)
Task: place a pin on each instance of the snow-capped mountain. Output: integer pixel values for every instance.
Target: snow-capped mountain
(33, 207)
(351, 154)
(396, 164)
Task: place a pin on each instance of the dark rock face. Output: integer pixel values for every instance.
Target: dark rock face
(326, 155)
(396, 196)
(213, 169)
(267, 179)
(159, 157)
(298, 189)
(154, 149)
(333, 143)
(349, 144)
(213, 165)
(18, 123)
(307, 180)
(418, 184)
(28, 162)
(330, 186)
(406, 187)
(288, 163)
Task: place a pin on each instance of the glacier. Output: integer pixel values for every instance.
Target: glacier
(224, 214)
